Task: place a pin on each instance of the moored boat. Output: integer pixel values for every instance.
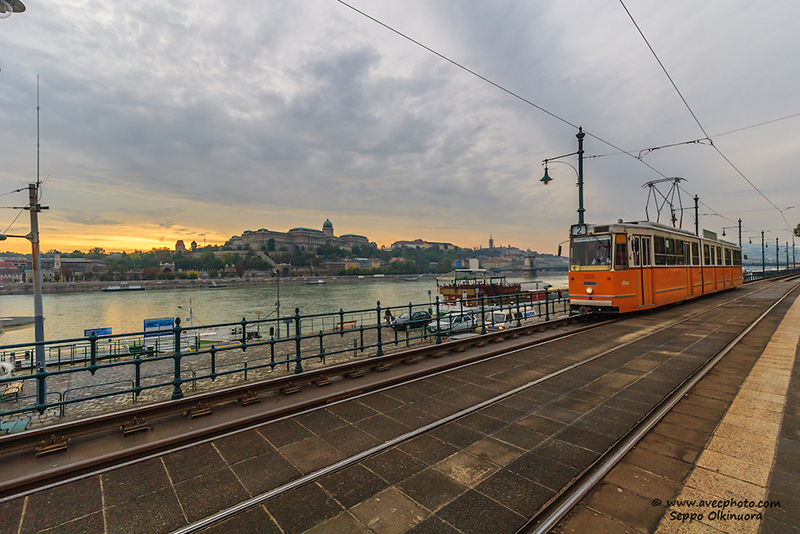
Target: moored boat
(123, 287)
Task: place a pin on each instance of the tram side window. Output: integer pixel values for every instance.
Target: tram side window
(719, 255)
(660, 248)
(620, 252)
(695, 254)
(679, 251)
(670, 248)
(728, 257)
(707, 255)
(687, 253)
(737, 257)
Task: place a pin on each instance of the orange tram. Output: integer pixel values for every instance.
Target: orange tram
(630, 266)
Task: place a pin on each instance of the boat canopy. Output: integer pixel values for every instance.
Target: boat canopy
(470, 277)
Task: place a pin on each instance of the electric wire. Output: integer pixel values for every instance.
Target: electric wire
(735, 168)
(759, 124)
(21, 211)
(498, 86)
(557, 117)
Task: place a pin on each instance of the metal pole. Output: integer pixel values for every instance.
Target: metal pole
(278, 303)
(740, 232)
(38, 311)
(696, 216)
(580, 135)
(763, 261)
(787, 255)
(777, 255)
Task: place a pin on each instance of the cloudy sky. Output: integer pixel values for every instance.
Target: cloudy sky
(197, 120)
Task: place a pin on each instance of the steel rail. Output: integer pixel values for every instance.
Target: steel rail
(311, 477)
(561, 505)
(30, 438)
(64, 474)
(59, 475)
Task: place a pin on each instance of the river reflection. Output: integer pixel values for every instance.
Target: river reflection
(68, 315)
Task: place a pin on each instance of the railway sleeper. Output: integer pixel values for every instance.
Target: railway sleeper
(137, 424)
(290, 388)
(200, 409)
(322, 381)
(249, 398)
(381, 367)
(355, 373)
(52, 445)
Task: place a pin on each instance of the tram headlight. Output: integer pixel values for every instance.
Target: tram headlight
(589, 290)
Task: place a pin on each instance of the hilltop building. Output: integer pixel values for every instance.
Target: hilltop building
(419, 243)
(297, 237)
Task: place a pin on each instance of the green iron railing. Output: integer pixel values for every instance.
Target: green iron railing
(135, 363)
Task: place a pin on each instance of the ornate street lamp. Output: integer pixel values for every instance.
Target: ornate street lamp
(546, 178)
(7, 7)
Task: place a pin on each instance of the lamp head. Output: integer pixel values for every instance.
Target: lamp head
(546, 179)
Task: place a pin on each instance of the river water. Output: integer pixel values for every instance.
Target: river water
(68, 315)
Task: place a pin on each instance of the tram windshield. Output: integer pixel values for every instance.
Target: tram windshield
(591, 253)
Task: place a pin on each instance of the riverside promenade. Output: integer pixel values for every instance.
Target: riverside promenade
(726, 460)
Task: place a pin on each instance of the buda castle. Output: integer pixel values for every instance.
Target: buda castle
(308, 238)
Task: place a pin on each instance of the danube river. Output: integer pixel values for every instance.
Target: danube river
(68, 315)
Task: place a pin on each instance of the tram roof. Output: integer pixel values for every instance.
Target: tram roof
(622, 225)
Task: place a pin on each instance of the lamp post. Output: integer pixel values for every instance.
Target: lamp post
(7, 7)
(740, 231)
(34, 207)
(546, 179)
(763, 262)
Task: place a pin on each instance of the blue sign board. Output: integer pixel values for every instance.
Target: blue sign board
(97, 332)
(158, 327)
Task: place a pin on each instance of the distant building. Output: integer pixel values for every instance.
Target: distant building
(194, 246)
(75, 265)
(10, 274)
(309, 238)
(179, 246)
(419, 243)
(491, 242)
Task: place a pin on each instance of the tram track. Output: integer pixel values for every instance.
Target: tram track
(162, 414)
(559, 506)
(18, 488)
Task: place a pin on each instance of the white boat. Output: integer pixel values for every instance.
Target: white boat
(123, 287)
(315, 282)
(15, 323)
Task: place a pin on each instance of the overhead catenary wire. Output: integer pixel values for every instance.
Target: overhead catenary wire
(735, 168)
(498, 86)
(550, 113)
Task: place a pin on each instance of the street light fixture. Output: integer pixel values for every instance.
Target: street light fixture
(7, 7)
(740, 231)
(546, 178)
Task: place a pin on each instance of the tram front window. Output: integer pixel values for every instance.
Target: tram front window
(591, 253)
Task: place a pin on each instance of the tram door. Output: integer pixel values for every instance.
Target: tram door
(642, 267)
